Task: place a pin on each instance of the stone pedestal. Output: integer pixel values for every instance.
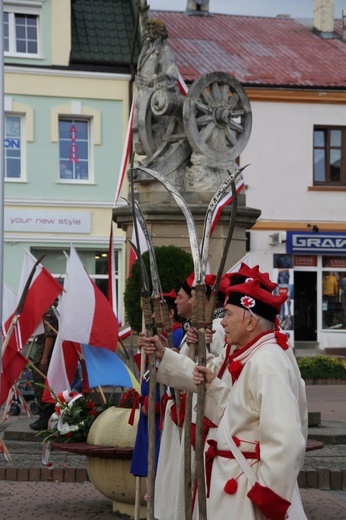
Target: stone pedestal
(167, 224)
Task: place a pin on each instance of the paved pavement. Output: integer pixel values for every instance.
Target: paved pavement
(78, 501)
(55, 499)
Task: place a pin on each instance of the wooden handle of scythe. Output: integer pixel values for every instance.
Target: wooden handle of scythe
(159, 329)
(158, 319)
(200, 308)
(146, 307)
(167, 327)
(151, 436)
(187, 433)
(211, 308)
(8, 335)
(5, 450)
(187, 446)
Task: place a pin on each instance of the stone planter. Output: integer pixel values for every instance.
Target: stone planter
(111, 475)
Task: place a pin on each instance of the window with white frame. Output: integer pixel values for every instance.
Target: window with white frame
(13, 147)
(21, 31)
(74, 149)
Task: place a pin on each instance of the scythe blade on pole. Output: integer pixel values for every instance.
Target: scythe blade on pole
(200, 316)
(154, 273)
(200, 264)
(146, 307)
(188, 216)
(215, 289)
(162, 319)
(211, 208)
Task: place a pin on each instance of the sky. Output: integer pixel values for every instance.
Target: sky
(296, 8)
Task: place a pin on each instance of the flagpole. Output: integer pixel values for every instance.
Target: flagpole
(2, 171)
(2, 163)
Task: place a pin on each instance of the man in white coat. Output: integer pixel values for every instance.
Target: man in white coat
(175, 370)
(264, 413)
(170, 470)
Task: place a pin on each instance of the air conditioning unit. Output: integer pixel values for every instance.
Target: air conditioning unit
(275, 239)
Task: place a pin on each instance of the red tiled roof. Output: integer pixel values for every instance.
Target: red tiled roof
(257, 51)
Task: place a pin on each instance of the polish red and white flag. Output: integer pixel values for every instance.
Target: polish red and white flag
(9, 304)
(126, 152)
(112, 290)
(42, 291)
(86, 316)
(143, 247)
(225, 201)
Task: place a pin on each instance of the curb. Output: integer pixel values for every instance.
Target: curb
(44, 474)
(321, 478)
(325, 381)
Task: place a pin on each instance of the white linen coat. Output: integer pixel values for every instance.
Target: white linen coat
(267, 404)
(169, 483)
(175, 370)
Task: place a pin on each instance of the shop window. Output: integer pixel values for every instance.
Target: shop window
(94, 261)
(334, 294)
(21, 31)
(329, 156)
(74, 149)
(13, 144)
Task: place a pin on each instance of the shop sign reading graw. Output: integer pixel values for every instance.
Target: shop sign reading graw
(305, 242)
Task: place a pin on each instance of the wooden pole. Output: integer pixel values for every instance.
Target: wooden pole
(138, 479)
(200, 313)
(151, 413)
(4, 450)
(187, 447)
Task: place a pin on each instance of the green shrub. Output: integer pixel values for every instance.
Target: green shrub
(322, 367)
(174, 266)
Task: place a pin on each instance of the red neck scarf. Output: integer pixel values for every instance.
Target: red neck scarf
(235, 367)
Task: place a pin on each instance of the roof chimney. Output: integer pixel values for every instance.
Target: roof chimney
(197, 7)
(324, 18)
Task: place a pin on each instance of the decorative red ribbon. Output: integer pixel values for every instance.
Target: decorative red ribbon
(213, 452)
(206, 427)
(164, 401)
(139, 400)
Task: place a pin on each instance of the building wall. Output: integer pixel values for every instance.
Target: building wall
(280, 153)
(42, 93)
(50, 94)
(279, 182)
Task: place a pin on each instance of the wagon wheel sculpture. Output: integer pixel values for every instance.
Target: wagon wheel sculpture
(217, 117)
(214, 119)
(160, 120)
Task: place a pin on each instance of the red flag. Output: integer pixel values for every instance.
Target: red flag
(182, 85)
(225, 201)
(126, 152)
(143, 246)
(86, 316)
(112, 293)
(11, 374)
(41, 294)
(9, 304)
